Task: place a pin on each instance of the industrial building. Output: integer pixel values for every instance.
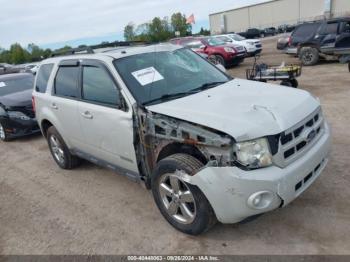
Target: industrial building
(276, 12)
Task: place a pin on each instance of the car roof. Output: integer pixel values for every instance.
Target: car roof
(117, 52)
(15, 76)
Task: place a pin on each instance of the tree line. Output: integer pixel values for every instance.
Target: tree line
(17, 54)
(157, 30)
(161, 29)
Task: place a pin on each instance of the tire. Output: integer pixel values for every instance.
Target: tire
(3, 135)
(59, 150)
(294, 83)
(167, 189)
(309, 56)
(286, 83)
(213, 59)
(220, 60)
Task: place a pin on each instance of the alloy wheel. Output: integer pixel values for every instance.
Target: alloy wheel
(2, 133)
(57, 149)
(177, 199)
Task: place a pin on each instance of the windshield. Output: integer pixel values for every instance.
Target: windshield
(212, 41)
(10, 85)
(151, 76)
(237, 37)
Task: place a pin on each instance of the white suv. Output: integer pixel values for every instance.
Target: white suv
(252, 46)
(210, 147)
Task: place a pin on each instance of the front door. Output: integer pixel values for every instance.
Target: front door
(107, 126)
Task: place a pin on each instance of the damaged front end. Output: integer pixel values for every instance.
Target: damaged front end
(158, 136)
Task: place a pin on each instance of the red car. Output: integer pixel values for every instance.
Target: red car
(223, 53)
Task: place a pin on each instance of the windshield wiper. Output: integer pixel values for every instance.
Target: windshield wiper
(168, 97)
(209, 85)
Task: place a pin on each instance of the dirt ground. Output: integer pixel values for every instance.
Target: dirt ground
(45, 210)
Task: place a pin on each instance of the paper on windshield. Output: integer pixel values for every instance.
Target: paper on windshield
(2, 84)
(147, 76)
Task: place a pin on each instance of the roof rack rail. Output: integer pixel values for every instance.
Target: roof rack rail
(90, 49)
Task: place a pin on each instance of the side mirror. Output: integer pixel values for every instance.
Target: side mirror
(221, 67)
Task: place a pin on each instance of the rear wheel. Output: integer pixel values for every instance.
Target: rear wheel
(294, 83)
(3, 134)
(60, 151)
(286, 83)
(309, 56)
(183, 205)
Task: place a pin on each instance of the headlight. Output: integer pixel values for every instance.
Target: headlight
(229, 50)
(254, 153)
(18, 115)
(250, 43)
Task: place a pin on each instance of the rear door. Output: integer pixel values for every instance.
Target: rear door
(107, 125)
(63, 102)
(343, 40)
(327, 35)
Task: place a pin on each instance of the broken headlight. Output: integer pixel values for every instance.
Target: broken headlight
(253, 154)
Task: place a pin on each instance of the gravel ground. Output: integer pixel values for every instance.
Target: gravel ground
(45, 210)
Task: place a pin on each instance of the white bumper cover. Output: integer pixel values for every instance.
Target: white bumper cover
(230, 189)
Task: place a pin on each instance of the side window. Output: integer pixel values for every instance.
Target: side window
(66, 82)
(346, 28)
(331, 28)
(43, 77)
(99, 87)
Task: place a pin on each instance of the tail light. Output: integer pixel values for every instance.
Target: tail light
(33, 103)
(290, 41)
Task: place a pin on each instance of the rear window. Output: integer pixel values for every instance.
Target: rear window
(43, 77)
(12, 84)
(306, 30)
(66, 82)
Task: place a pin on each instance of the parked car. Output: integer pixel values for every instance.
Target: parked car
(17, 117)
(7, 69)
(303, 33)
(31, 68)
(286, 28)
(283, 42)
(269, 31)
(225, 54)
(210, 147)
(328, 39)
(252, 33)
(253, 47)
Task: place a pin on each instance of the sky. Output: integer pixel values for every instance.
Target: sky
(53, 24)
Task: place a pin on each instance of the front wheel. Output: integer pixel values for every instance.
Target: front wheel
(220, 60)
(3, 134)
(183, 205)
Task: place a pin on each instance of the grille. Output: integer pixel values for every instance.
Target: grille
(298, 139)
(240, 48)
(307, 178)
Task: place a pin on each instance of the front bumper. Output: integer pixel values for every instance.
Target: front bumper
(18, 127)
(230, 189)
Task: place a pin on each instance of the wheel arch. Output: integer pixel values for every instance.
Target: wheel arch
(176, 148)
(45, 125)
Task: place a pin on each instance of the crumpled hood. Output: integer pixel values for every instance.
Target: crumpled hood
(243, 109)
(18, 99)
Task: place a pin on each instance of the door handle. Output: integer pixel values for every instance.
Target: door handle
(87, 115)
(54, 106)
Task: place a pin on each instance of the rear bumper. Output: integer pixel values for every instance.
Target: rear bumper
(231, 191)
(18, 128)
(291, 51)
